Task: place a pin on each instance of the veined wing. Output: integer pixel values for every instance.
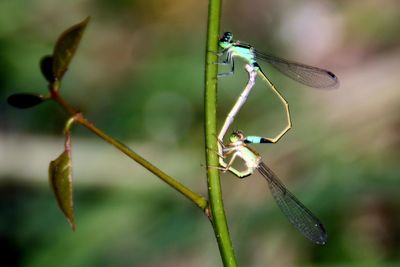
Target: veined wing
(307, 75)
(299, 216)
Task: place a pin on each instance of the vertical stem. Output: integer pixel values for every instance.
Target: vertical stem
(214, 186)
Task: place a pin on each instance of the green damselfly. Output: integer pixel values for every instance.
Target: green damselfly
(298, 215)
(307, 75)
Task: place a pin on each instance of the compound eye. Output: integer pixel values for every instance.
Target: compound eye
(227, 37)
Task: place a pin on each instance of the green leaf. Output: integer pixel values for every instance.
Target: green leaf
(60, 178)
(46, 66)
(25, 100)
(66, 47)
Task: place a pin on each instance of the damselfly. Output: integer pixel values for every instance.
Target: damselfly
(298, 215)
(307, 75)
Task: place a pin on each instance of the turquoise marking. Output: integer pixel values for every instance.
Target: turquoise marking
(254, 139)
(243, 52)
(225, 44)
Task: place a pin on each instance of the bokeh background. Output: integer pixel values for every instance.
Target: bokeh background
(138, 75)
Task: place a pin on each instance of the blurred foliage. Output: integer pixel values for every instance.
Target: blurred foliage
(138, 75)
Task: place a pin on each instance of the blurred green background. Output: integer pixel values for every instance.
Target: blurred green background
(138, 75)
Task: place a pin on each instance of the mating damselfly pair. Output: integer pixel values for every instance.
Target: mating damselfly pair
(300, 217)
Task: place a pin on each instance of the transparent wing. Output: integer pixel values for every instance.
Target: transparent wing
(299, 216)
(307, 75)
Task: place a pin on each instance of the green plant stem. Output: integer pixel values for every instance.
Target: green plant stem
(214, 185)
(78, 117)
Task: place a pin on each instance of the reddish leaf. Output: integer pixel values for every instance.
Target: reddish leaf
(66, 47)
(60, 178)
(25, 100)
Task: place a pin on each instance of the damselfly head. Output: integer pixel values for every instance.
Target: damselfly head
(236, 136)
(226, 38)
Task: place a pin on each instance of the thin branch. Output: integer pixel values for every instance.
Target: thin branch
(78, 117)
